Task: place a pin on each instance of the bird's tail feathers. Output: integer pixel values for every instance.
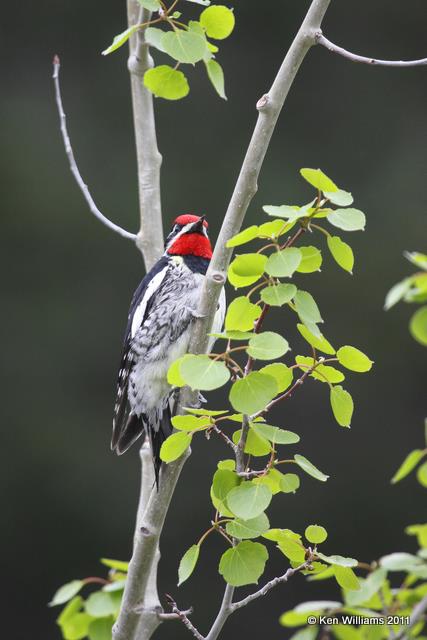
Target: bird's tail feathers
(157, 434)
(124, 437)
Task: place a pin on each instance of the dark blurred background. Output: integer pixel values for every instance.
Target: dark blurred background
(67, 281)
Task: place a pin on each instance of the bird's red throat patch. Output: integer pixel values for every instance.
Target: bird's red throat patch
(191, 244)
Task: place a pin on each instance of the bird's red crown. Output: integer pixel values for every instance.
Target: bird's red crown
(186, 218)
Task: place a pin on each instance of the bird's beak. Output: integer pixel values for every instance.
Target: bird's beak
(198, 226)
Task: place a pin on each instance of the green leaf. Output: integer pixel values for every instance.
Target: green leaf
(290, 212)
(274, 434)
(309, 468)
(117, 565)
(184, 46)
(165, 82)
(400, 561)
(243, 237)
(341, 198)
(243, 529)
(120, 40)
(232, 335)
(267, 346)
(202, 373)
(289, 483)
(100, 604)
(241, 315)
(342, 405)
(153, 37)
(422, 475)
(418, 259)
(191, 423)
(308, 633)
(253, 393)
(316, 534)
(223, 482)
(255, 445)
(283, 264)
(317, 605)
(246, 269)
(66, 592)
(204, 412)
(319, 343)
(307, 308)
(174, 376)
(354, 359)
(278, 295)
(397, 292)
(341, 252)
(418, 326)
(272, 480)
(227, 464)
(282, 374)
(347, 219)
(318, 180)
(174, 446)
(273, 229)
(188, 563)
(292, 549)
(346, 578)
(244, 563)
(101, 629)
(323, 372)
(368, 588)
(70, 609)
(249, 500)
(419, 530)
(311, 260)
(151, 5)
(76, 627)
(216, 76)
(218, 21)
(339, 561)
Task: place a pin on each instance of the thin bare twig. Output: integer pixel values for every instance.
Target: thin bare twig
(373, 62)
(183, 616)
(270, 585)
(73, 165)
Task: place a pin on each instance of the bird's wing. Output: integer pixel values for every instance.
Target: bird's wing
(138, 312)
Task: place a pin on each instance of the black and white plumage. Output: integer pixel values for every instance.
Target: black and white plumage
(157, 333)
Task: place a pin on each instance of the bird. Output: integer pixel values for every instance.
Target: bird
(158, 333)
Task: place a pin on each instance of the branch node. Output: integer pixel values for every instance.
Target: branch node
(263, 102)
(218, 277)
(134, 66)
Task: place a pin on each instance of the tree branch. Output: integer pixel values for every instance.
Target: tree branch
(150, 236)
(270, 585)
(223, 613)
(73, 165)
(417, 613)
(354, 57)
(144, 554)
(269, 107)
(183, 616)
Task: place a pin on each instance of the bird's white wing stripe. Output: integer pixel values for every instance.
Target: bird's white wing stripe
(138, 315)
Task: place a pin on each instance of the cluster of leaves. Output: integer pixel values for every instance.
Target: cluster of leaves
(413, 289)
(186, 43)
(94, 616)
(375, 595)
(239, 496)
